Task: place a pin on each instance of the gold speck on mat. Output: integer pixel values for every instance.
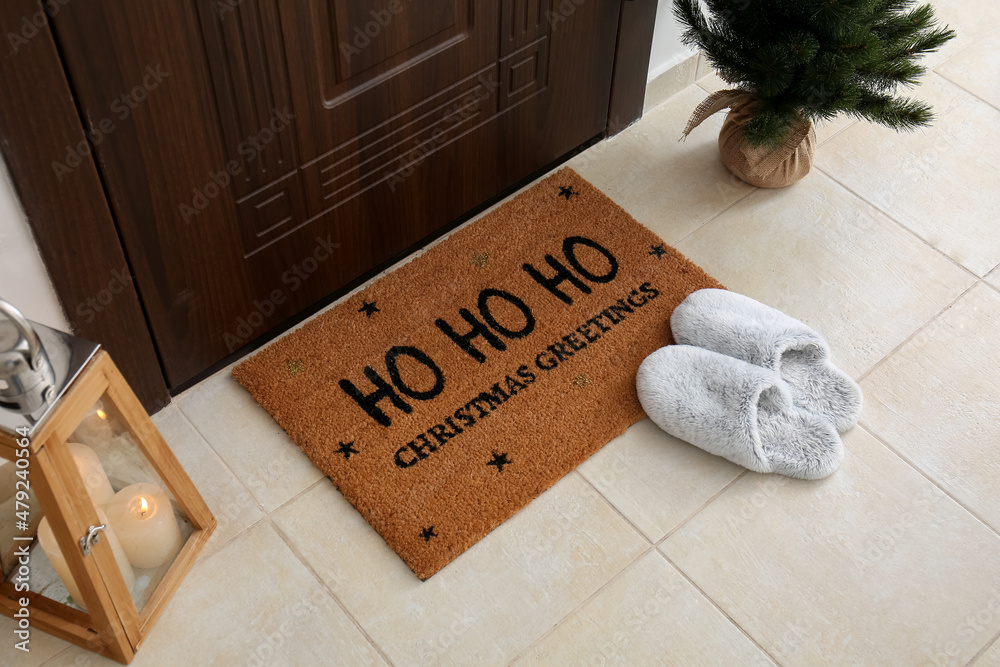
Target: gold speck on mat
(295, 367)
(581, 380)
(479, 259)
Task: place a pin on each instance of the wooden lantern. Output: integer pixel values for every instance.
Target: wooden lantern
(72, 470)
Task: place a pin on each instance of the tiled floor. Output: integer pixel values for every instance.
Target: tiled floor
(654, 552)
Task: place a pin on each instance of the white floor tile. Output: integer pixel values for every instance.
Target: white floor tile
(492, 601)
(940, 181)
(970, 19)
(992, 657)
(648, 615)
(977, 68)
(871, 566)
(251, 603)
(816, 252)
(234, 508)
(655, 480)
(41, 647)
(268, 463)
(937, 402)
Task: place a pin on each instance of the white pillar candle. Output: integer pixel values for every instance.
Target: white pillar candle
(92, 472)
(145, 524)
(51, 548)
(48, 541)
(95, 428)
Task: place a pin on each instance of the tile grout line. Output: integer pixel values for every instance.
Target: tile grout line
(944, 309)
(343, 607)
(990, 644)
(708, 502)
(891, 217)
(216, 548)
(301, 493)
(633, 563)
(55, 657)
(963, 88)
(225, 465)
(920, 471)
(613, 506)
(837, 133)
(264, 514)
(640, 556)
(975, 42)
(753, 189)
(718, 607)
(250, 494)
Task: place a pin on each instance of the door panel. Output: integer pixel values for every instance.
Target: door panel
(370, 37)
(290, 146)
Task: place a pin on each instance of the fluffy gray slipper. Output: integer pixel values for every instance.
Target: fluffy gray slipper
(738, 326)
(736, 410)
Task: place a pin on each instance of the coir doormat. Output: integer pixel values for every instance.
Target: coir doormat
(445, 396)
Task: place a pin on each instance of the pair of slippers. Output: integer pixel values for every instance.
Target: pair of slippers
(750, 384)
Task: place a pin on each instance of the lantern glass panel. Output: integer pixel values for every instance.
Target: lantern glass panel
(20, 515)
(146, 527)
(145, 518)
(23, 526)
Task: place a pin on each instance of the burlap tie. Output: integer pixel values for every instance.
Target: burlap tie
(763, 167)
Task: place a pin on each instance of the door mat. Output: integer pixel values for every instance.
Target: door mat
(445, 396)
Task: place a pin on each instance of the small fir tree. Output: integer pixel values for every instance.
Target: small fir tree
(815, 59)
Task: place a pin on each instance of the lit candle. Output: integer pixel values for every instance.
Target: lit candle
(145, 523)
(92, 473)
(51, 548)
(95, 428)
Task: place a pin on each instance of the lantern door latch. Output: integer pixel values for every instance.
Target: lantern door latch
(92, 537)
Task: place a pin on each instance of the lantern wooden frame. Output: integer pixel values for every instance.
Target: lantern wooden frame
(112, 626)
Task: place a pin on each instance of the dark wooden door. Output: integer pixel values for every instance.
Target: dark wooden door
(259, 155)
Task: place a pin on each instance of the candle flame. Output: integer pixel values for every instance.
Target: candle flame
(102, 414)
(143, 506)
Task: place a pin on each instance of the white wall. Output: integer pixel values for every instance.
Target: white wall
(667, 48)
(23, 279)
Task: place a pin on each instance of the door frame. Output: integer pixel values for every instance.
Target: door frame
(72, 219)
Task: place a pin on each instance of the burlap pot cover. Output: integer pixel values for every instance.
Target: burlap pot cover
(763, 167)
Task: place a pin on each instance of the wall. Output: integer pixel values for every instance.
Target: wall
(23, 279)
(667, 48)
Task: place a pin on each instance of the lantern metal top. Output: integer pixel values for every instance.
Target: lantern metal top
(68, 355)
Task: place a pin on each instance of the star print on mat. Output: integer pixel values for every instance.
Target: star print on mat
(568, 192)
(369, 309)
(295, 367)
(499, 460)
(581, 380)
(428, 533)
(658, 251)
(347, 448)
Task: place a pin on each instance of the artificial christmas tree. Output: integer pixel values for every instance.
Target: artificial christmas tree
(798, 61)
